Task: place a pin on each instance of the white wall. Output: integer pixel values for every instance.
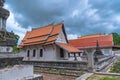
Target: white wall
(17, 72)
(107, 51)
(49, 53)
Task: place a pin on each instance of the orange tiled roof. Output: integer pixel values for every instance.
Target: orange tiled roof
(68, 47)
(86, 42)
(43, 35)
(93, 35)
(41, 31)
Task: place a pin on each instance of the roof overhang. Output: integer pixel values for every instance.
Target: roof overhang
(68, 47)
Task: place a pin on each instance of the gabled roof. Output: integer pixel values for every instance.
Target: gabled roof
(90, 41)
(68, 47)
(43, 35)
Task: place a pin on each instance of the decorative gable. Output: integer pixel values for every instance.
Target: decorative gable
(61, 37)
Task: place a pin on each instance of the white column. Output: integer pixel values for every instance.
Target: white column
(90, 53)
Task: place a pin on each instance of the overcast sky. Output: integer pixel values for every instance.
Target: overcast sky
(81, 17)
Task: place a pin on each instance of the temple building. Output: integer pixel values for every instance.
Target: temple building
(48, 43)
(98, 50)
(104, 42)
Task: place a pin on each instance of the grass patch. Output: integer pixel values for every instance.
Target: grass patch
(58, 71)
(103, 77)
(107, 78)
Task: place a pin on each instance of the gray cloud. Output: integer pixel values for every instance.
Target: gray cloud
(80, 16)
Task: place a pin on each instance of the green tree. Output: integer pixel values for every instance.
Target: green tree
(116, 38)
(17, 38)
(15, 48)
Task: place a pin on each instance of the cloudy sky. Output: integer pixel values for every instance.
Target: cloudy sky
(81, 17)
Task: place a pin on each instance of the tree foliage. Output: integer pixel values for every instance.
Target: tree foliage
(15, 48)
(116, 38)
(17, 38)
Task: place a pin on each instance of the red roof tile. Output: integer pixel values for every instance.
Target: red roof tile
(90, 41)
(41, 35)
(56, 29)
(68, 47)
(37, 39)
(41, 31)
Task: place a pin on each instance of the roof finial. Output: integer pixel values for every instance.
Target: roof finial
(97, 44)
(2, 3)
(98, 49)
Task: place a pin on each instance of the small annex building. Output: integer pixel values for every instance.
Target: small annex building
(47, 43)
(104, 41)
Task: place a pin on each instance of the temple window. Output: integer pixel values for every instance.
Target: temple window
(7, 49)
(61, 53)
(68, 54)
(41, 52)
(34, 53)
(106, 51)
(28, 53)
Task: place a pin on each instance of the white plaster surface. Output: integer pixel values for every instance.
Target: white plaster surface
(61, 37)
(18, 72)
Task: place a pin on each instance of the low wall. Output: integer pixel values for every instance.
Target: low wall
(4, 62)
(19, 72)
(73, 65)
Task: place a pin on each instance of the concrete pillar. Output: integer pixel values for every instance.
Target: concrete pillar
(90, 53)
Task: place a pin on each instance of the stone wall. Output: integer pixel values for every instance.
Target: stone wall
(72, 65)
(10, 61)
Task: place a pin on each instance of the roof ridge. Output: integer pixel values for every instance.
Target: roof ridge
(96, 37)
(90, 37)
(43, 26)
(58, 23)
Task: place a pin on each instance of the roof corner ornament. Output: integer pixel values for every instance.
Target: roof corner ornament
(2, 3)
